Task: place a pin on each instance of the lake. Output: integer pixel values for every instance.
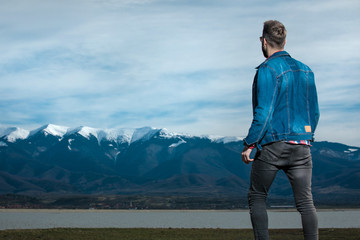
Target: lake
(34, 219)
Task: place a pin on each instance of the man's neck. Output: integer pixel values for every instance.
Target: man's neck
(271, 51)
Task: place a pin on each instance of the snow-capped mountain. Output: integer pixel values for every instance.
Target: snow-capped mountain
(57, 131)
(14, 133)
(122, 135)
(62, 160)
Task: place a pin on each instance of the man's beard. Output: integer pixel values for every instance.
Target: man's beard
(263, 50)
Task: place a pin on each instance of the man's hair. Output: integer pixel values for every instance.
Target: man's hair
(275, 33)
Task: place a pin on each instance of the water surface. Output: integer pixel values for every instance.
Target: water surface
(33, 219)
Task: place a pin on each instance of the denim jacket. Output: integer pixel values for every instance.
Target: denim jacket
(285, 104)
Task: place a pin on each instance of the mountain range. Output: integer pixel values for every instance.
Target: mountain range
(56, 160)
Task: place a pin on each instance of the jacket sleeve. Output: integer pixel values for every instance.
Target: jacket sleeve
(315, 103)
(264, 97)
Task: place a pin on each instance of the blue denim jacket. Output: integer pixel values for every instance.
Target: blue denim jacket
(285, 104)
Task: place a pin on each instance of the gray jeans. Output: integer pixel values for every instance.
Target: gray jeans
(296, 162)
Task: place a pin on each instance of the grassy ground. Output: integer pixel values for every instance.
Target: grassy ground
(167, 234)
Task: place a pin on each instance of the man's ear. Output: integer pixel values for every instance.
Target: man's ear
(265, 42)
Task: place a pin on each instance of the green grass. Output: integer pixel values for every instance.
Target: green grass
(168, 234)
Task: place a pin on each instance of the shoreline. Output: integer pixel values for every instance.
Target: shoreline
(169, 210)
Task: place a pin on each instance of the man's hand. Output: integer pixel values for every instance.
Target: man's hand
(245, 155)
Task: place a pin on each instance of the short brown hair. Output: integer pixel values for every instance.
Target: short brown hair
(275, 33)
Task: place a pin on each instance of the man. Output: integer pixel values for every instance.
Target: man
(285, 116)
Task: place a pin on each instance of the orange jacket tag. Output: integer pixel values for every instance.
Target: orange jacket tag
(308, 128)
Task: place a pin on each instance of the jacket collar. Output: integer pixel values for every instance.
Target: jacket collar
(275, 55)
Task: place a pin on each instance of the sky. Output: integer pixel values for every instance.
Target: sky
(184, 65)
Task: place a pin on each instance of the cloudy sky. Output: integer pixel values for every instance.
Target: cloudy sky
(184, 65)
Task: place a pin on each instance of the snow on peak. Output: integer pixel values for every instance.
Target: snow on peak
(86, 132)
(167, 134)
(144, 133)
(122, 135)
(222, 139)
(58, 131)
(14, 133)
